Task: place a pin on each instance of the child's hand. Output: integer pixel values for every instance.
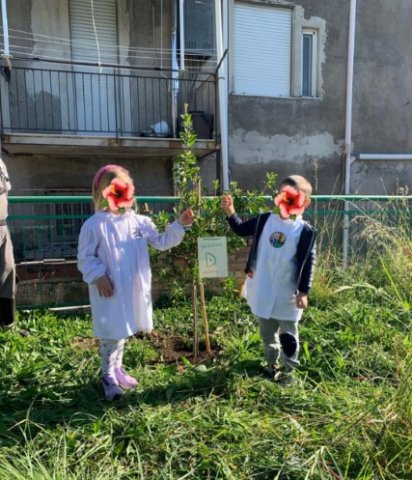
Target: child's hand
(186, 218)
(105, 286)
(302, 300)
(227, 204)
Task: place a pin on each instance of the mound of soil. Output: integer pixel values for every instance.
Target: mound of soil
(171, 348)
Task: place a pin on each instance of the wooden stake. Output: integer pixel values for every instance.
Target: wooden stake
(199, 196)
(204, 316)
(195, 323)
(198, 187)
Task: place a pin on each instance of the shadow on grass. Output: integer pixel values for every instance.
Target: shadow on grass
(27, 412)
(196, 382)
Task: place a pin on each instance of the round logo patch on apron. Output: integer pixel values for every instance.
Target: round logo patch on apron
(277, 239)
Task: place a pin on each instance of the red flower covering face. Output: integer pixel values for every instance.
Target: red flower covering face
(290, 202)
(118, 195)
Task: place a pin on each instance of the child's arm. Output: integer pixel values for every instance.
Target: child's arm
(306, 280)
(227, 205)
(186, 218)
(241, 228)
(302, 300)
(88, 262)
(104, 286)
(173, 234)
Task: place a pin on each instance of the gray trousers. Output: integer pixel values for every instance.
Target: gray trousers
(280, 341)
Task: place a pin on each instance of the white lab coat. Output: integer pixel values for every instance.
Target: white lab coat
(117, 245)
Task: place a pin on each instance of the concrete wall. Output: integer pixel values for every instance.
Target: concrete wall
(38, 174)
(383, 94)
(288, 135)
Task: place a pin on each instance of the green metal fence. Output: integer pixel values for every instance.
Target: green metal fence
(45, 232)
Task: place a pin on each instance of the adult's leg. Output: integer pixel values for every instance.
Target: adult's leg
(7, 312)
(7, 280)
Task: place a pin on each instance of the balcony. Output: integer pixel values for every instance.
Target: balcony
(74, 110)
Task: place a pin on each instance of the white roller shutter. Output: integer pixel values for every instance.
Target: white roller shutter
(95, 108)
(262, 50)
(84, 46)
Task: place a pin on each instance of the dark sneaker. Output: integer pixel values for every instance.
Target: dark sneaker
(272, 372)
(288, 378)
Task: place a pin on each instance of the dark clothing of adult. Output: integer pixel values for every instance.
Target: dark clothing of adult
(7, 265)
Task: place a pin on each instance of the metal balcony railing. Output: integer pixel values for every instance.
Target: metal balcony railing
(105, 101)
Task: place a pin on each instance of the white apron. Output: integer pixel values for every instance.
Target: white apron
(271, 291)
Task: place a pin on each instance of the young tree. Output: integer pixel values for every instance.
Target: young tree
(179, 267)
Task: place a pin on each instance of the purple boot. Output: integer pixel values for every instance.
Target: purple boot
(112, 391)
(125, 381)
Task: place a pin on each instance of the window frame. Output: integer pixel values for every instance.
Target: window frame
(300, 25)
(312, 63)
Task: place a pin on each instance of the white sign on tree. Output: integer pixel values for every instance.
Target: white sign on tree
(212, 255)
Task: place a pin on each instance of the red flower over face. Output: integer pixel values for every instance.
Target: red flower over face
(290, 202)
(118, 195)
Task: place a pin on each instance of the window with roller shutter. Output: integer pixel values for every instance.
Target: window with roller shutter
(262, 50)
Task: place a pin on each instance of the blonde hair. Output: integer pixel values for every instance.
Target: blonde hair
(102, 180)
(300, 183)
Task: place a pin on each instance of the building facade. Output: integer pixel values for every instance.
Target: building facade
(288, 89)
(105, 80)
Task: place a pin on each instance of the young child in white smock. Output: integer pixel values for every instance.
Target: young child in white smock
(114, 260)
(279, 271)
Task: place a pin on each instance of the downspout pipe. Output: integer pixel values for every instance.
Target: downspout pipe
(6, 54)
(348, 125)
(175, 75)
(221, 22)
(398, 157)
(182, 33)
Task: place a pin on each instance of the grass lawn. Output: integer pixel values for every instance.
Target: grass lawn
(348, 417)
